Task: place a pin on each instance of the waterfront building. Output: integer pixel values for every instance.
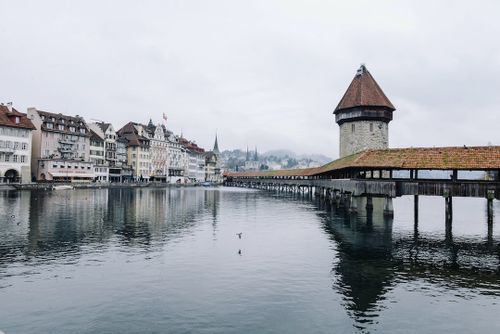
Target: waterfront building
(122, 172)
(176, 158)
(97, 155)
(138, 150)
(156, 135)
(213, 164)
(15, 145)
(195, 167)
(252, 161)
(363, 114)
(57, 138)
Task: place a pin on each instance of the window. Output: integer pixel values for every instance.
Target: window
(14, 158)
(353, 128)
(23, 158)
(60, 127)
(7, 158)
(50, 126)
(371, 127)
(24, 146)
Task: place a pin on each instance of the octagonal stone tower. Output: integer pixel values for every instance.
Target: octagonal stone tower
(363, 114)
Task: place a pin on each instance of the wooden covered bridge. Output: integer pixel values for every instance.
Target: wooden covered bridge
(388, 173)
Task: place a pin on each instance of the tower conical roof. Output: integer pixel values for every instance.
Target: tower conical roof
(364, 92)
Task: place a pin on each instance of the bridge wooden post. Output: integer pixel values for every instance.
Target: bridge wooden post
(415, 209)
(388, 207)
(448, 214)
(353, 205)
(369, 203)
(489, 205)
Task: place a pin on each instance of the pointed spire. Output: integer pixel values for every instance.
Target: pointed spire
(255, 155)
(150, 124)
(216, 145)
(248, 155)
(363, 92)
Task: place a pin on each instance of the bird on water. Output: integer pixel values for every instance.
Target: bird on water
(239, 234)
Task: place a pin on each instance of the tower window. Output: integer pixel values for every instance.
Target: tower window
(353, 128)
(371, 127)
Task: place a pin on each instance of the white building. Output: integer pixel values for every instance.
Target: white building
(159, 146)
(15, 145)
(194, 168)
(176, 159)
(97, 156)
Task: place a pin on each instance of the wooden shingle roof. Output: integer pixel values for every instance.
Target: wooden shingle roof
(438, 158)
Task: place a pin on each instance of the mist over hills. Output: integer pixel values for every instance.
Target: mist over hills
(238, 159)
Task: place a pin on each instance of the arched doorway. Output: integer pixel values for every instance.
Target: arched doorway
(11, 176)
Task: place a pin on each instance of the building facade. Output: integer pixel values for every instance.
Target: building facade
(15, 145)
(97, 155)
(59, 137)
(194, 169)
(138, 150)
(363, 115)
(213, 164)
(158, 152)
(176, 159)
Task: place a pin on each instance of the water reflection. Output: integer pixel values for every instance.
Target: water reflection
(44, 226)
(371, 260)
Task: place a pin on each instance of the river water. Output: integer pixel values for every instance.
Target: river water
(171, 261)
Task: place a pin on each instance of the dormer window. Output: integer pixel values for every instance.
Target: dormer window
(72, 128)
(60, 127)
(50, 126)
(82, 130)
(62, 121)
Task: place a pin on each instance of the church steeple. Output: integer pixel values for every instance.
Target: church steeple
(216, 146)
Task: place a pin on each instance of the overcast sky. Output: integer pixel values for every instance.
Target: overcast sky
(260, 73)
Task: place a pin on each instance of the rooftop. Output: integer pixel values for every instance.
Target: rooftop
(363, 91)
(437, 158)
(7, 118)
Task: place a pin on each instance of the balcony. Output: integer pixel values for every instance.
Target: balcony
(67, 141)
(7, 150)
(66, 149)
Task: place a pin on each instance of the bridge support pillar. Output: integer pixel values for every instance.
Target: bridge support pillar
(448, 210)
(388, 207)
(448, 214)
(415, 209)
(369, 203)
(353, 205)
(489, 206)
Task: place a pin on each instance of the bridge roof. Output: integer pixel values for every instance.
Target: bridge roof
(441, 158)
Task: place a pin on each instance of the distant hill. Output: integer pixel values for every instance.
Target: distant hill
(271, 160)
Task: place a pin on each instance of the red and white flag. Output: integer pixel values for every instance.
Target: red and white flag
(164, 116)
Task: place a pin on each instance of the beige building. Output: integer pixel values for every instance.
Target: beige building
(15, 145)
(59, 137)
(138, 150)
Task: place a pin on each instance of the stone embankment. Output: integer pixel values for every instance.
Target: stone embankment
(49, 185)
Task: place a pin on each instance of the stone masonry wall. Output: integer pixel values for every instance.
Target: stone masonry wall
(362, 137)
